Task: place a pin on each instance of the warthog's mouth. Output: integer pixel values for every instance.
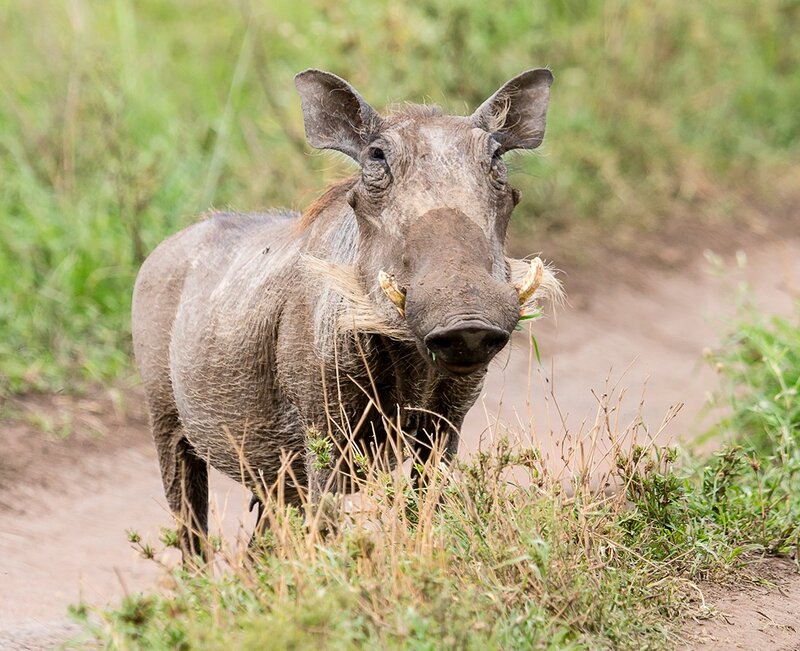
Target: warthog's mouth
(461, 371)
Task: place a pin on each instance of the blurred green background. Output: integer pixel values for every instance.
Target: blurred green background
(121, 121)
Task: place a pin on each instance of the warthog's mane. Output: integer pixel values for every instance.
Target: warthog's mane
(332, 193)
(413, 111)
(358, 311)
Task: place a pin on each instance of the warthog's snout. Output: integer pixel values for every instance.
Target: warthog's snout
(466, 346)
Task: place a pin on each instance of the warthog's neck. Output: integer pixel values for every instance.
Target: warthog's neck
(370, 362)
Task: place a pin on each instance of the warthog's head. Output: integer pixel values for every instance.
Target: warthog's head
(433, 205)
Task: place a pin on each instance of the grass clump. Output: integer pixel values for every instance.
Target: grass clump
(495, 566)
(745, 497)
(761, 368)
(501, 553)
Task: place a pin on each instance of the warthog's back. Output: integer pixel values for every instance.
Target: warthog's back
(192, 297)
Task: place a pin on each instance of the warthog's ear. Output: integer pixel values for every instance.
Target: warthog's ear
(516, 113)
(335, 115)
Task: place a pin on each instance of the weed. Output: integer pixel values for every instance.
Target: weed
(169, 537)
(320, 447)
(760, 365)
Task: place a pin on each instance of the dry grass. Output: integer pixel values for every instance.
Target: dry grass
(599, 547)
(506, 550)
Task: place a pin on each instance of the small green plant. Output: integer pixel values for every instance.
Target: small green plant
(760, 367)
(320, 448)
(169, 537)
(752, 486)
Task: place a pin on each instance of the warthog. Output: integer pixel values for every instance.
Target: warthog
(384, 301)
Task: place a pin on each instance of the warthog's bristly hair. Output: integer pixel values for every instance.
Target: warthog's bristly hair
(358, 313)
(550, 288)
(415, 111)
(498, 116)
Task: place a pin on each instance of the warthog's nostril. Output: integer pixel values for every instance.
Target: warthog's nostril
(467, 345)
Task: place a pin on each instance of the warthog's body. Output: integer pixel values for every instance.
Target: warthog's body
(253, 332)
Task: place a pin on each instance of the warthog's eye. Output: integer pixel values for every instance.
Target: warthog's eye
(376, 153)
(496, 151)
(375, 170)
(497, 167)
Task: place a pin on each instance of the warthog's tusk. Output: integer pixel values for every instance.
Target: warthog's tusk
(393, 291)
(530, 283)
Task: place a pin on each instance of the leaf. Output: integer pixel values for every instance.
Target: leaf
(537, 313)
(536, 349)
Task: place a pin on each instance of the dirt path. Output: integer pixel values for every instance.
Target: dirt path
(645, 339)
(762, 612)
(65, 504)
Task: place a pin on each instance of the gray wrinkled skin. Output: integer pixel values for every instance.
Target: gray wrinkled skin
(239, 342)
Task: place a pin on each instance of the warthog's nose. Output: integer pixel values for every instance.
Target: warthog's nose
(465, 347)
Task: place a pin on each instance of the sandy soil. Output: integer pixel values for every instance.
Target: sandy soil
(762, 612)
(66, 502)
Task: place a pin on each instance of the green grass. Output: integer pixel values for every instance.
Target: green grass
(510, 565)
(121, 121)
(761, 364)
